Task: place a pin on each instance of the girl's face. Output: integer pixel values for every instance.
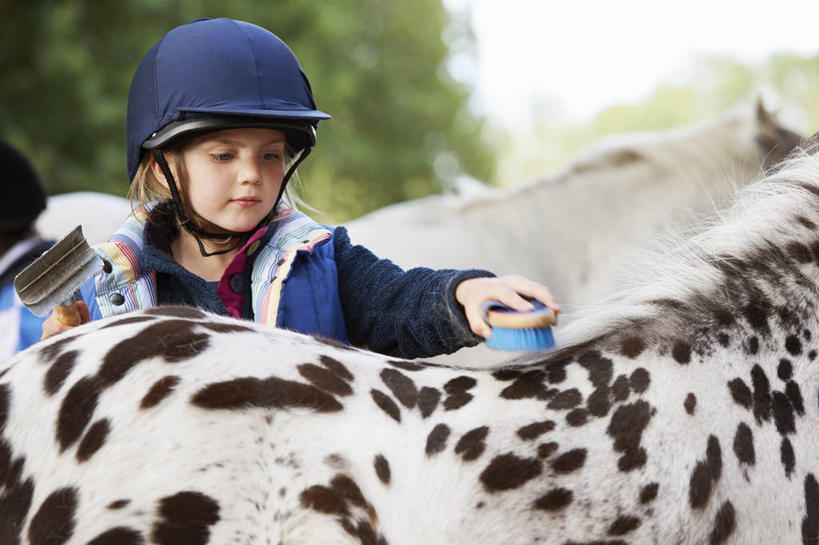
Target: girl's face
(234, 176)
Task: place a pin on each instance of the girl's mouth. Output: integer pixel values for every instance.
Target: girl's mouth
(246, 201)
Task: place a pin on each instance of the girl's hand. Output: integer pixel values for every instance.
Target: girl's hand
(52, 326)
(509, 290)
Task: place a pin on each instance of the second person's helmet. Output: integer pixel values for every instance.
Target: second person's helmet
(21, 195)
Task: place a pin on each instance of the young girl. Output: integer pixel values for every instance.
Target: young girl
(219, 117)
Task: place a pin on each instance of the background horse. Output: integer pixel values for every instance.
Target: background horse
(98, 213)
(684, 411)
(566, 231)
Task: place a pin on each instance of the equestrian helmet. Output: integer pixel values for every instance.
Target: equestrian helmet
(216, 74)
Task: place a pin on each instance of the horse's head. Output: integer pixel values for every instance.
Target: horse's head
(774, 139)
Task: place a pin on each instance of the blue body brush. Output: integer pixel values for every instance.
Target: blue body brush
(516, 330)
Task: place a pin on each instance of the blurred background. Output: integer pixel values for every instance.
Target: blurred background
(422, 92)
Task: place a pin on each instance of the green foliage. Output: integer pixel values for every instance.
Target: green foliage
(714, 85)
(400, 123)
(668, 106)
(377, 67)
(797, 78)
(717, 84)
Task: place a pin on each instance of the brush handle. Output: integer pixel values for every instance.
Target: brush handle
(68, 314)
(499, 315)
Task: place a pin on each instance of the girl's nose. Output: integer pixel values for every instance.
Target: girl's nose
(250, 172)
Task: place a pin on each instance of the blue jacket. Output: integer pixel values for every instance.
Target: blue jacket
(294, 274)
(20, 328)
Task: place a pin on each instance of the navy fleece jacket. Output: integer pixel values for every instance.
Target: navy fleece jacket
(410, 314)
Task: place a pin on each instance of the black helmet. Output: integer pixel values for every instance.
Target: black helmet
(214, 74)
(21, 196)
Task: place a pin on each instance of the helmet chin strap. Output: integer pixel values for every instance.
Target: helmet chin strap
(197, 232)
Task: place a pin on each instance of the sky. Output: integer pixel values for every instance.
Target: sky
(583, 55)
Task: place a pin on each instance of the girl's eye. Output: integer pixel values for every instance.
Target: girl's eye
(222, 156)
(270, 156)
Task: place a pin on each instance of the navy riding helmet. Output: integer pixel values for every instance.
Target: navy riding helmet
(215, 74)
(218, 73)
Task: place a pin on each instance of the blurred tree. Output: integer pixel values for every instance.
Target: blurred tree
(797, 79)
(377, 67)
(713, 85)
(667, 106)
(716, 84)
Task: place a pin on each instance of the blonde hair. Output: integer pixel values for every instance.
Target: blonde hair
(146, 187)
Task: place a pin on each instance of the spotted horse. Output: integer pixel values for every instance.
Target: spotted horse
(685, 411)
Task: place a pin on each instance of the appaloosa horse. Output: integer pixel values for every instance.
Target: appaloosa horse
(685, 411)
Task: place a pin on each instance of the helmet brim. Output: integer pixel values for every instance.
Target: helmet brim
(299, 129)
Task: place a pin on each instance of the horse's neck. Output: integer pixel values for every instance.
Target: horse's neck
(728, 150)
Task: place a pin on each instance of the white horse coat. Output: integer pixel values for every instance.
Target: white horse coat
(566, 231)
(685, 412)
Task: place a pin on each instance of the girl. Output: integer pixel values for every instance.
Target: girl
(219, 117)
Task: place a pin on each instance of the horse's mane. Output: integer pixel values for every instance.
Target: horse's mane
(765, 214)
(672, 148)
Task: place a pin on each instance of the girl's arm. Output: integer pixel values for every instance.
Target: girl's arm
(415, 313)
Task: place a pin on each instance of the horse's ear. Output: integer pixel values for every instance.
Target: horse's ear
(763, 116)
